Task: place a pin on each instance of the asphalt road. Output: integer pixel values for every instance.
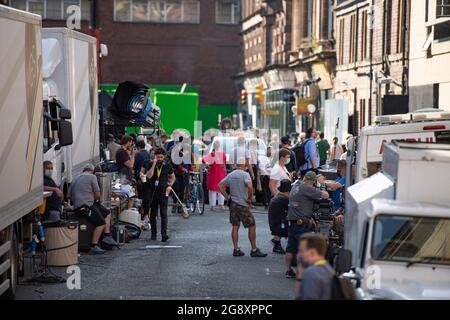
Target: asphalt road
(200, 266)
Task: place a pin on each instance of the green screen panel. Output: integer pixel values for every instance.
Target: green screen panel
(178, 111)
(208, 114)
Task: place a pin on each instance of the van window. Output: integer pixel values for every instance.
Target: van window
(443, 137)
(411, 239)
(373, 167)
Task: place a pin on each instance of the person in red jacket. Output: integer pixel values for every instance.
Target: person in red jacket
(216, 162)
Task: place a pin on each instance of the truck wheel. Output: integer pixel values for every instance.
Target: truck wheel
(10, 294)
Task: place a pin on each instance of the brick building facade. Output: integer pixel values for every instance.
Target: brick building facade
(313, 57)
(266, 32)
(162, 41)
(429, 81)
(372, 43)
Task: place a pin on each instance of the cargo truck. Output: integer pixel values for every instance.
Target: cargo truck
(23, 116)
(70, 79)
(397, 226)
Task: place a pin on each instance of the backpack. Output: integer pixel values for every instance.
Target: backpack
(300, 153)
(132, 232)
(342, 289)
(120, 234)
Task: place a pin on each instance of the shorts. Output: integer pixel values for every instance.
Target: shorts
(295, 231)
(240, 214)
(95, 215)
(280, 229)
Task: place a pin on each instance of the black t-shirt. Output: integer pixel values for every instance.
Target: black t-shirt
(278, 209)
(162, 173)
(53, 202)
(122, 156)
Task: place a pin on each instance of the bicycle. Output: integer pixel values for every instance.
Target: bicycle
(195, 197)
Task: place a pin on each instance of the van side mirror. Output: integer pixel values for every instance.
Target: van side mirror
(65, 134)
(343, 262)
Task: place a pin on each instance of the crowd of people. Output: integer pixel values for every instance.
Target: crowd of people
(284, 180)
(291, 187)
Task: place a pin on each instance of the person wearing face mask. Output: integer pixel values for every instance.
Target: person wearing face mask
(301, 208)
(158, 178)
(55, 201)
(279, 171)
(286, 144)
(314, 274)
(125, 158)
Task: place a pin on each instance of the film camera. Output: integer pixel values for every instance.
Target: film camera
(325, 221)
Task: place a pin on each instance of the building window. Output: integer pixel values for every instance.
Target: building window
(326, 25)
(160, 11)
(353, 39)
(306, 14)
(442, 8)
(362, 113)
(436, 95)
(364, 33)
(401, 24)
(228, 11)
(442, 31)
(53, 9)
(341, 41)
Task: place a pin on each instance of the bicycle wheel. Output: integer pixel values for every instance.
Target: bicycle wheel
(200, 203)
(192, 199)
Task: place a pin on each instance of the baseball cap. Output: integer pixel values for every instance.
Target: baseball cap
(311, 176)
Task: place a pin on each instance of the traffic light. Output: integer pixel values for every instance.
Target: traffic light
(260, 94)
(243, 97)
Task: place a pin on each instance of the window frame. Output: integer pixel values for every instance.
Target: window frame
(442, 5)
(164, 19)
(62, 12)
(235, 15)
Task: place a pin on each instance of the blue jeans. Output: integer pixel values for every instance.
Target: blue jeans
(295, 231)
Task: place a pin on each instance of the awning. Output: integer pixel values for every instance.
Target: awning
(278, 79)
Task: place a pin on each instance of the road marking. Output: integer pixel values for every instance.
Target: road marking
(161, 247)
(268, 271)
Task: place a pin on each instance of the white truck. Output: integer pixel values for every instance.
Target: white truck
(70, 79)
(397, 226)
(22, 118)
(426, 125)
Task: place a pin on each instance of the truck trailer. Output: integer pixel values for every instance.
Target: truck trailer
(70, 63)
(22, 115)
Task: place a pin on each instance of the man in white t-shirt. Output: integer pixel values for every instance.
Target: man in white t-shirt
(336, 150)
(279, 171)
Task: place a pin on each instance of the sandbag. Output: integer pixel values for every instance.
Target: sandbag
(61, 239)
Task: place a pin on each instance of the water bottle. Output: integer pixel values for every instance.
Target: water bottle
(34, 242)
(41, 232)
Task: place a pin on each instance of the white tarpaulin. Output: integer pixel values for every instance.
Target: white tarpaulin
(336, 120)
(51, 56)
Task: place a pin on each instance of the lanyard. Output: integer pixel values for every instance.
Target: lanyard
(320, 262)
(287, 172)
(158, 171)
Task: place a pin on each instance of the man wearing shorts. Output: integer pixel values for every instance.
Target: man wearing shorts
(241, 193)
(84, 192)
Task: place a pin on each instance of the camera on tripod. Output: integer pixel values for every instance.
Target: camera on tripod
(323, 210)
